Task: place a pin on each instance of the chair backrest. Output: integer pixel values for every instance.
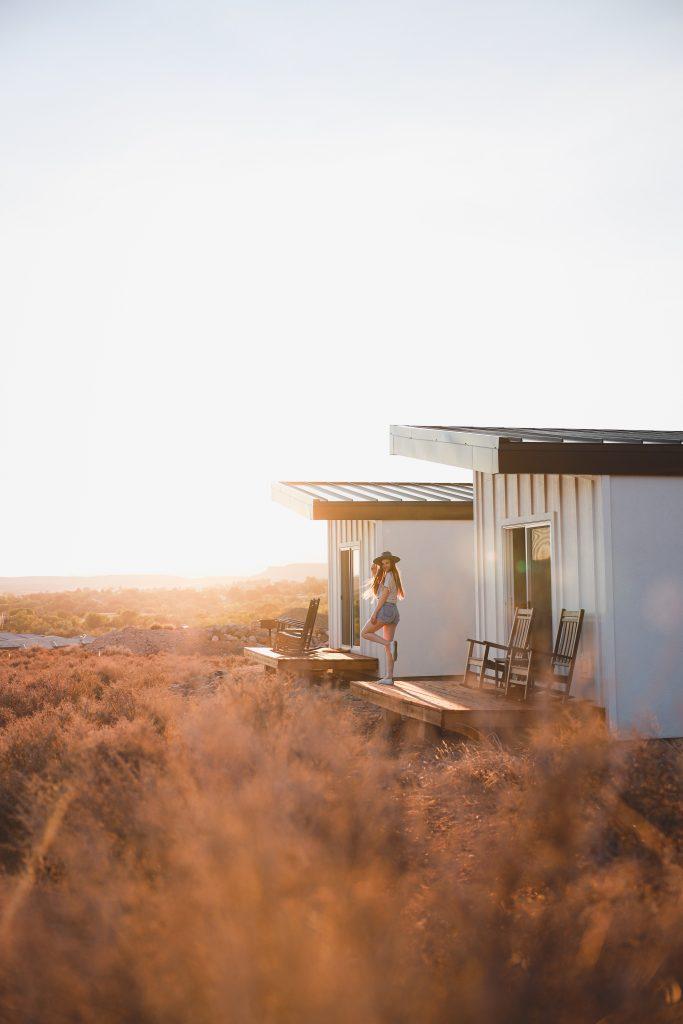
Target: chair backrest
(311, 615)
(567, 640)
(521, 627)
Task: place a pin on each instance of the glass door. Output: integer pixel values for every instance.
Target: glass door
(350, 596)
(531, 578)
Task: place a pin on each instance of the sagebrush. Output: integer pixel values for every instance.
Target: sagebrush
(183, 845)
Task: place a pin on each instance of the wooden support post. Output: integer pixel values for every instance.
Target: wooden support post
(416, 731)
(391, 722)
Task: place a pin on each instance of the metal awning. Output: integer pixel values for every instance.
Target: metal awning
(536, 450)
(9, 640)
(350, 499)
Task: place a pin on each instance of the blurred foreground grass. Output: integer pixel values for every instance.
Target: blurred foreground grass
(245, 851)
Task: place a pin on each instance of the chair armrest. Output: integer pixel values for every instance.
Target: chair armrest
(488, 643)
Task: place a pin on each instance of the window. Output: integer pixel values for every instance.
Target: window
(530, 576)
(350, 597)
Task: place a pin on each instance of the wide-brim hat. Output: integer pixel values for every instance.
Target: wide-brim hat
(385, 554)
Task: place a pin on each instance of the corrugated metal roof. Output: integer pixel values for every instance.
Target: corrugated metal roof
(13, 640)
(375, 499)
(571, 434)
(351, 490)
(544, 450)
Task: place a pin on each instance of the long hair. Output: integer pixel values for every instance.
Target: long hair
(377, 581)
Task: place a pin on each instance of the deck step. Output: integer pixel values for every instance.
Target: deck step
(322, 660)
(451, 706)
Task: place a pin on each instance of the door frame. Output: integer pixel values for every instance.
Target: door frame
(350, 545)
(550, 519)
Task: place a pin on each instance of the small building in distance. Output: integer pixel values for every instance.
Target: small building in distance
(10, 641)
(429, 525)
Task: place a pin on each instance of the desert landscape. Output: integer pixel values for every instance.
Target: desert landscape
(341, 561)
(185, 838)
(235, 609)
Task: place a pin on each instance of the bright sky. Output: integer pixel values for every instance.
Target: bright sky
(238, 240)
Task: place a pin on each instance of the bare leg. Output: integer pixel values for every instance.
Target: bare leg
(389, 636)
(370, 629)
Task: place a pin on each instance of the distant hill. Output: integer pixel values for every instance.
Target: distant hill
(295, 571)
(151, 581)
(59, 584)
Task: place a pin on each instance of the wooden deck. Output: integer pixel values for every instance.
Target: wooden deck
(342, 663)
(448, 705)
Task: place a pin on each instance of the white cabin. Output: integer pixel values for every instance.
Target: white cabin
(580, 519)
(430, 527)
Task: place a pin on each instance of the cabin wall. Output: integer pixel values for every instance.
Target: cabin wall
(573, 507)
(437, 565)
(437, 615)
(340, 532)
(645, 530)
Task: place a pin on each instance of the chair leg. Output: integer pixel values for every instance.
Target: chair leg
(482, 670)
(468, 671)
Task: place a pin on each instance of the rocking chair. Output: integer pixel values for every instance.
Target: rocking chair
(484, 667)
(297, 637)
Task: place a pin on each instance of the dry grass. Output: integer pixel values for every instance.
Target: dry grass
(256, 853)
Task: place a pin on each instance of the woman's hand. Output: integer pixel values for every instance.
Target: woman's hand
(373, 620)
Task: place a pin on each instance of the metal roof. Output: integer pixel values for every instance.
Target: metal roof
(12, 640)
(572, 434)
(375, 499)
(544, 450)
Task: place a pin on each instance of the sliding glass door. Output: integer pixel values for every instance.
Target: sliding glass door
(350, 596)
(530, 574)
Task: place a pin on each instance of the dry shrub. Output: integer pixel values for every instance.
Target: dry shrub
(256, 853)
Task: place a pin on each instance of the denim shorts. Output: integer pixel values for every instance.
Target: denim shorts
(388, 614)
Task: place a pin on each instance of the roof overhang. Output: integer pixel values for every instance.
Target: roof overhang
(291, 496)
(492, 453)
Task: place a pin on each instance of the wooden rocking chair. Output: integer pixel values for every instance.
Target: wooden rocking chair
(553, 671)
(297, 637)
(486, 668)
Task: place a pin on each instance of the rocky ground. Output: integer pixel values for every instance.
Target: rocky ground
(228, 639)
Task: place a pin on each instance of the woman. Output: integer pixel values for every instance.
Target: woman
(386, 586)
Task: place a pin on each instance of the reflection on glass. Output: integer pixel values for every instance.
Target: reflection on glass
(345, 566)
(540, 543)
(356, 597)
(519, 567)
(531, 580)
(539, 585)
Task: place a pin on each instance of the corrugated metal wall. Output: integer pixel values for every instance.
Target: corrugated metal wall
(572, 505)
(344, 532)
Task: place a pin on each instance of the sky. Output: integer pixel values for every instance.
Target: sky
(238, 240)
